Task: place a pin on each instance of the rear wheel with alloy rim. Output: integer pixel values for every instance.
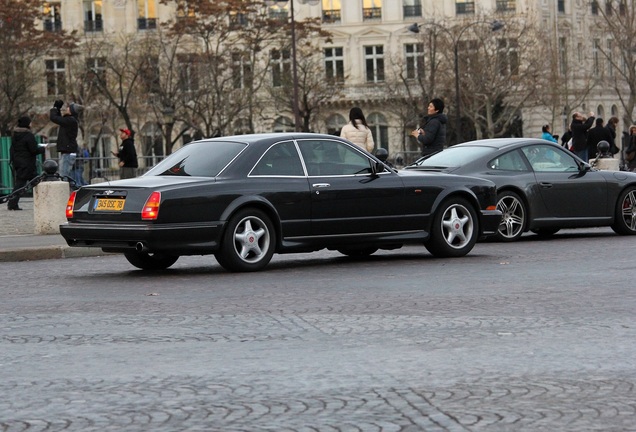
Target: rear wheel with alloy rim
(248, 242)
(625, 218)
(513, 216)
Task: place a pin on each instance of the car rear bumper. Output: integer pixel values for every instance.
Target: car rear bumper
(490, 220)
(178, 239)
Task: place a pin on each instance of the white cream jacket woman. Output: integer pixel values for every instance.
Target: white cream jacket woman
(361, 136)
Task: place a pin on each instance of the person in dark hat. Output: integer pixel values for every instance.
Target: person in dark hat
(67, 117)
(127, 155)
(23, 153)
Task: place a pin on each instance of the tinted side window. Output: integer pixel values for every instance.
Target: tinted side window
(281, 159)
(326, 158)
(511, 161)
(549, 159)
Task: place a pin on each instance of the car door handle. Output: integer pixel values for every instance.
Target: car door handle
(546, 185)
(321, 185)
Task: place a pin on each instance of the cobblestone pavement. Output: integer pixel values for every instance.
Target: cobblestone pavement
(17, 222)
(513, 338)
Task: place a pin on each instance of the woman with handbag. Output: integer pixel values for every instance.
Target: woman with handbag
(630, 152)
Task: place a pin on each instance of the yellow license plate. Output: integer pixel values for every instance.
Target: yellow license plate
(109, 204)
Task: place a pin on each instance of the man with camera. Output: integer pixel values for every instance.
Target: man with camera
(66, 116)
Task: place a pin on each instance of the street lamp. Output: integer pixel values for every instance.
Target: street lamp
(297, 120)
(494, 26)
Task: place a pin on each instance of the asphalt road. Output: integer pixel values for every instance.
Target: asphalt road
(530, 336)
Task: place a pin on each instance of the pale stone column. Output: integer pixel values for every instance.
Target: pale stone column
(49, 206)
(606, 164)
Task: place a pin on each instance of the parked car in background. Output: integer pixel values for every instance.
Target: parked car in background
(244, 198)
(541, 186)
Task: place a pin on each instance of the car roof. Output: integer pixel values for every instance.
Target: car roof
(272, 136)
(502, 143)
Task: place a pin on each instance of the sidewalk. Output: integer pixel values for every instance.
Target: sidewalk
(19, 243)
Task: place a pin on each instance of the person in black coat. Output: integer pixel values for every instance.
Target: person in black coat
(595, 135)
(23, 153)
(127, 155)
(66, 116)
(433, 135)
(579, 127)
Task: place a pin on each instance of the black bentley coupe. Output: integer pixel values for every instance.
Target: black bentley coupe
(542, 187)
(244, 198)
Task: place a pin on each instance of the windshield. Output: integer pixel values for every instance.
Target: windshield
(454, 157)
(202, 159)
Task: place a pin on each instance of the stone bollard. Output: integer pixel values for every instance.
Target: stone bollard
(606, 164)
(49, 206)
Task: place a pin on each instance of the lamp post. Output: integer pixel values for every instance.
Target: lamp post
(297, 119)
(494, 26)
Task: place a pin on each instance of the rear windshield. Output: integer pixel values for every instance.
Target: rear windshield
(203, 159)
(455, 156)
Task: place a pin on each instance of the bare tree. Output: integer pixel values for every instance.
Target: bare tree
(24, 45)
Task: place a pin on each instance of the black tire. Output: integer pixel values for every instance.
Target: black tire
(150, 261)
(248, 242)
(358, 252)
(514, 216)
(625, 216)
(455, 229)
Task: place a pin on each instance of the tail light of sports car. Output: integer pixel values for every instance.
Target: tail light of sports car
(69, 205)
(151, 208)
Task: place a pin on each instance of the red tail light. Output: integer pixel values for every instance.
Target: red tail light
(151, 208)
(69, 205)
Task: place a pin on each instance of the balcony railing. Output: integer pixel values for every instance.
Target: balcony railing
(506, 5)
(465, 8)
(146, 23)
(372, 14)
(412, 11)
(52, 26)
(93, 26)
(331, 16)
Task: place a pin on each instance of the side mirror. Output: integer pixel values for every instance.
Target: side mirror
(376, 167)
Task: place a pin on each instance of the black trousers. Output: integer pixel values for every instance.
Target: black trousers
(19, 183)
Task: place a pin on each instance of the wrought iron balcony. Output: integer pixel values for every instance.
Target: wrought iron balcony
(146, 23)
(52, 26)
(465, 8)
(413, 11)
(91, 26)
(372, 13)
(331, 16)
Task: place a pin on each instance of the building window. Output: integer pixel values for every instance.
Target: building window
(334, 64)
(335, 122)
(147, 15)
(52, 17)
(372, 10)
(278, 12)
(464, 7)
(241, 71)
(93, 16)
(414, 56)
(331, 11)
(380, 130)
(561, 6)
(506, 5)
(594, 6)
(563, 56)
(596, 63)
(55, 77)
(412, 8)
(96, 71)
(283, 124)
(374, 61)
(281, 67)
(188, 72)
(508, 57)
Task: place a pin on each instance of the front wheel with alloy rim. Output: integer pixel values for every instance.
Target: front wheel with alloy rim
(248, 242)
(150, 261)
(625, 217)
(513, 216)
(455, 229)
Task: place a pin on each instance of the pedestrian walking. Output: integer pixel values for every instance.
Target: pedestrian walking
(357, 130)
(127, 155)
(630, 152)
(579, 128)
(432, 136)
(66, 116)
(23, 157)
(611, 126)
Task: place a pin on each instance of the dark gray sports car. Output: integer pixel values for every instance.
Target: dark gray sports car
(542, 186)
(243, 198)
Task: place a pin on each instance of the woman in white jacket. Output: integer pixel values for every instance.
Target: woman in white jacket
(357, 130)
